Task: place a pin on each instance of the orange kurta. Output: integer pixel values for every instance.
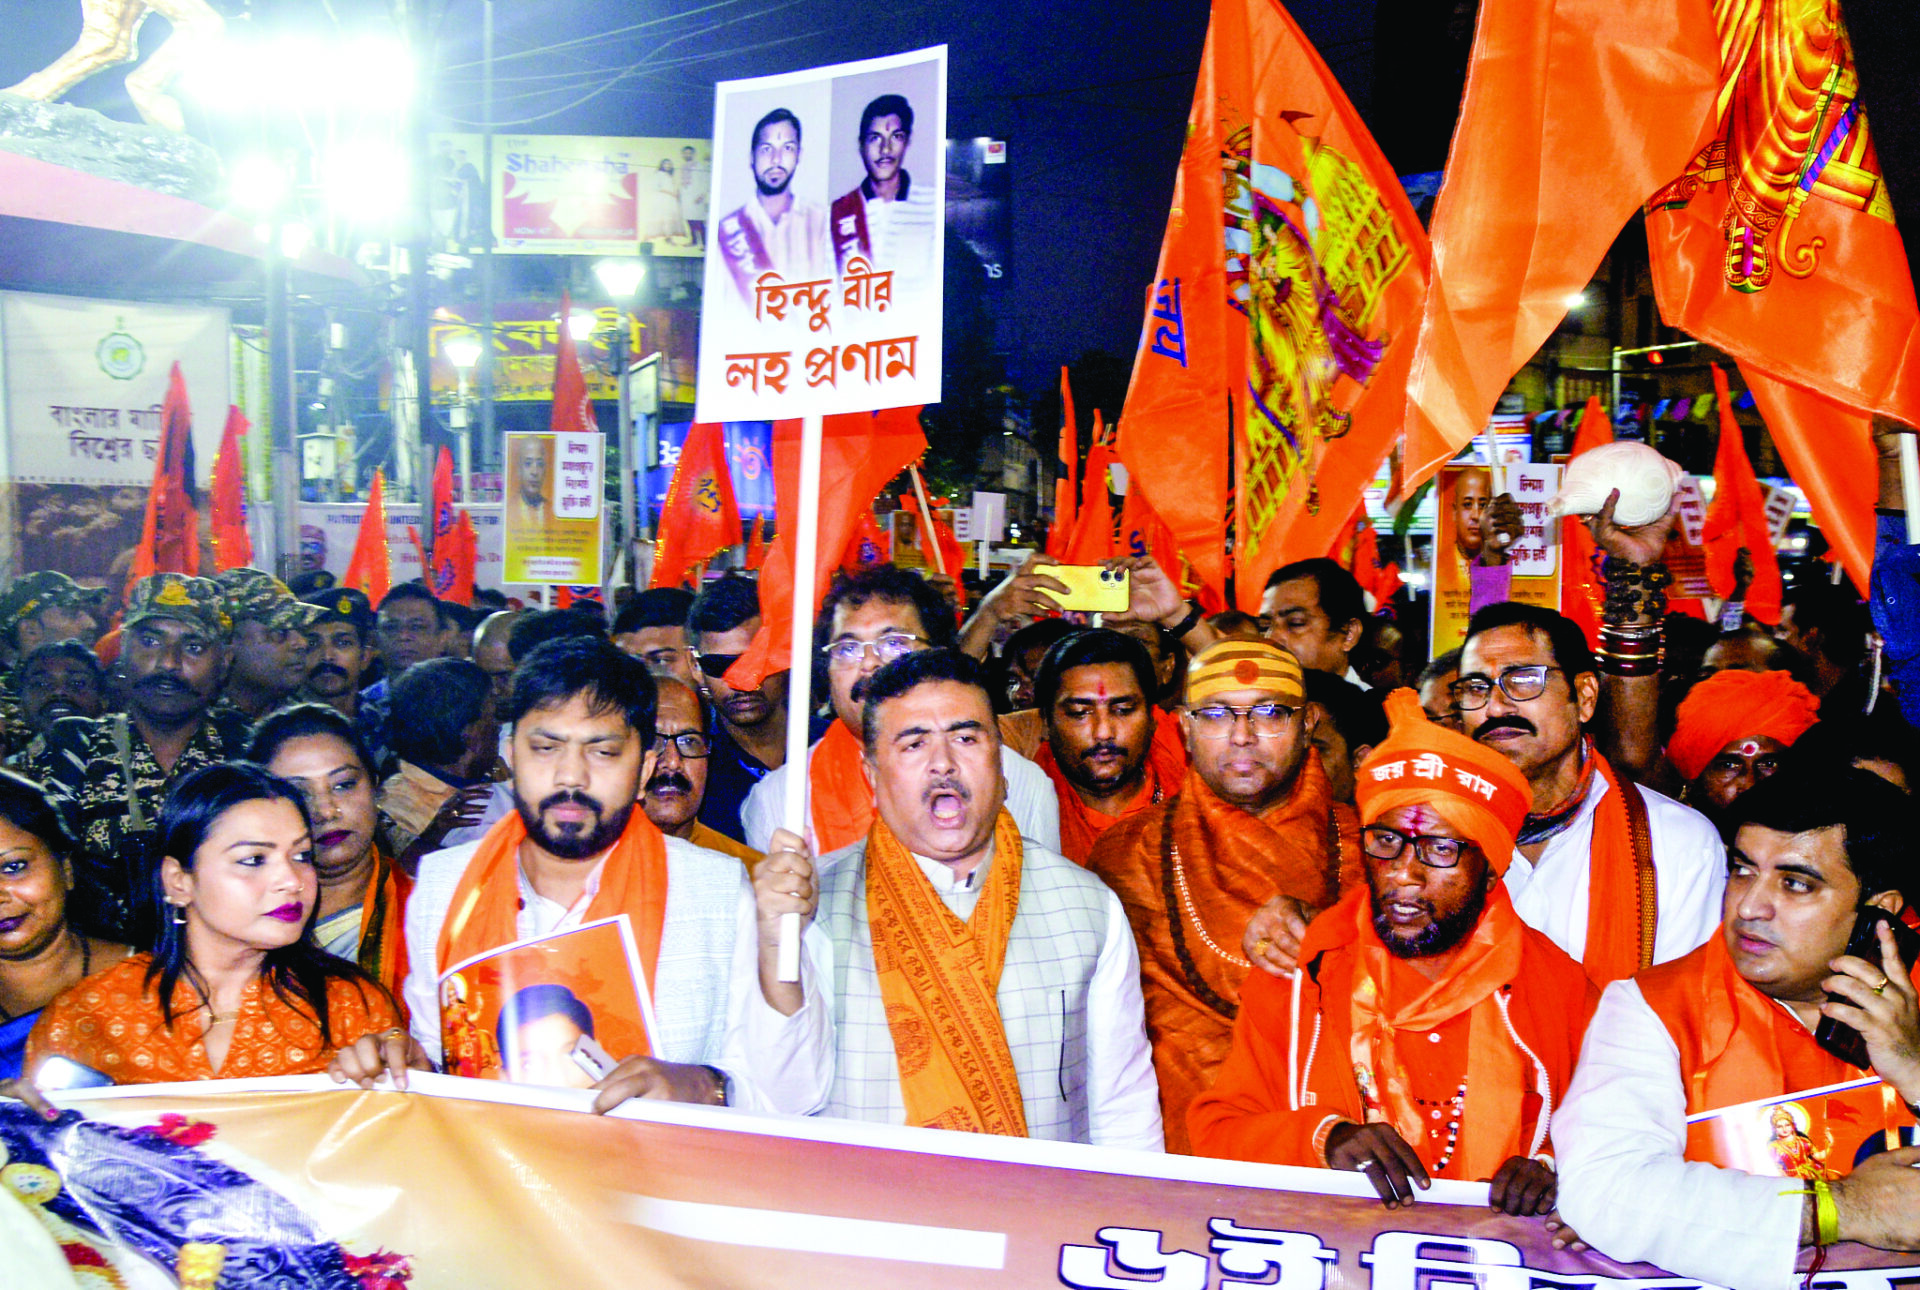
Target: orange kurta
(1248, 1114)
(1081, 825)
(111, 1022)
(1196, 890)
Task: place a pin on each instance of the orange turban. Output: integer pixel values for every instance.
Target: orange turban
(1472, 787)
(1738, 705)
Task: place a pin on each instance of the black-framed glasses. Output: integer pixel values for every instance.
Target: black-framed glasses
(1521, 683)
(1433, 851)
(715, 664)
(690, 744)
(1266, 720)
(894, 645)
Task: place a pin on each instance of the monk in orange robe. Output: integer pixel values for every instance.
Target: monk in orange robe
(1254, 817)
(1109, 752)
(1427, 1029)
(1730, 731)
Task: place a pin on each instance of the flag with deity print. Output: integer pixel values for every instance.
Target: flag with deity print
(1290, 281)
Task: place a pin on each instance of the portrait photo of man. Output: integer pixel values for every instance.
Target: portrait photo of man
(887, 220)
(775, 230)
(530, 491)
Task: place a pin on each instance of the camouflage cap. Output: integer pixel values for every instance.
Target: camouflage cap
(343, 605)
(176, 595)
(32, 592)
(256, 594)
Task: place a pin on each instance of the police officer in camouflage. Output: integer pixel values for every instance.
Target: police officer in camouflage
(111, 772)
(36, 608)
(270, 655)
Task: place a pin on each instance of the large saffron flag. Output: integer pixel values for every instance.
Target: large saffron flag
(860, 452)
(1583, 593)
(1060, 532)
(700, 516)
(170, 533)
(572, 410)
(232, 544)
(371, 568)
(1283, 312)
(1738, 518)
(1775, 242)
(1575, 112)
(1092, 539)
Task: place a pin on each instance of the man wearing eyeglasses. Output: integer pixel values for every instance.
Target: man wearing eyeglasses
(1428, 1030)
(1254, 819)
(1617, 875)
(672, 794)
(870, 619)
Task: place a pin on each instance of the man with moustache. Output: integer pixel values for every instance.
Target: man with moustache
(1109, 752)
(270, 661)
(1428, 1029)
(749, 740)
(982, 982)
(37, 608)
(866, 621)
(577, 849)
(775, 230)
(111, 772)
(339, 652)
(888, 221)
(1617, 875)
(673, 793)
(58, 679)
(1253, 820)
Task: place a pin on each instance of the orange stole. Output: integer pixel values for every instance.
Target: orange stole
(1736, 1045)
(1081, 825)
(940, 982)
(383, 941)
(839, 799)
(1623, 905)
(484, 912)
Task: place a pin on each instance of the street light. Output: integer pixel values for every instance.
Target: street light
(580, 327)
(463, 351)
(620, 278)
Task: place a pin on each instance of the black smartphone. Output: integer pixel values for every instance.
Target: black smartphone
(1843, 1041)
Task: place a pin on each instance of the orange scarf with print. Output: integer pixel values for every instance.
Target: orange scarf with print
(839, 798)
(1389, 1004)
(485, 910)
(1623, 906)
(940, 982)
(1081, 825)
(383, 940)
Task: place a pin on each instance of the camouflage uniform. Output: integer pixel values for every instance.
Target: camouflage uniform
(27, 596)
(253, 593)
(349, 605)
(104, 775)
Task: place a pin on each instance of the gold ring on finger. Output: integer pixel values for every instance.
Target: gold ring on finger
(1885, 981)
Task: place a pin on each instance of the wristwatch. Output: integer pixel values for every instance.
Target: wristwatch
(1187, 624)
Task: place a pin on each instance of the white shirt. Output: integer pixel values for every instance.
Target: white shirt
(1690, 873)
(1030, 800)
(1625, 1184)
(775, 1063)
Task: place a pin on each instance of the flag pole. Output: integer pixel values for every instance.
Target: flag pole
(926, 522)
(806, 543)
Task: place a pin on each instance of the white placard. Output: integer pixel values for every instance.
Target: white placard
(823, 277)
(1537, 553)
(328, 529)
(1693, 509)
(990, 517)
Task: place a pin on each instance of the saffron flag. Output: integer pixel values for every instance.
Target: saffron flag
(1775, 242)
(700, 515)
(1575, 112)
(860, 452)
(1283, 311)
(232, 544)
(867, 547)
(442, 521)
(757, 544)
(1092, 539)
(1060, 532)
(1361, 557)
(371, 568)
(572, 410)
(1583, 593)
(459, 563)
(1738, 518)
(170, 533)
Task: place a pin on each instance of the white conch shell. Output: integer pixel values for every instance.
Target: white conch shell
(1646, 481)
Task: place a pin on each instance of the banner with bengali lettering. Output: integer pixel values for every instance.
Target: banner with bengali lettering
(85, 381)
(555, 522)
(823, 288)
(526, 340)
(471, 1184)
(327, 531)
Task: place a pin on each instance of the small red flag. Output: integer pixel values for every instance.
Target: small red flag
(1060, 532)
(700, 516)
(371, 569)
(867, 547)
(757, 543)
(1738, 518)
(170, 534)
(232, 544)
(1582, 592)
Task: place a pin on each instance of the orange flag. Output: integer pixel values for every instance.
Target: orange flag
(232, 544)
(757, 543)
(1092, 539)
(1293, 330)
(1776, 243)
(1060, 532)
(371, 569)
(867, 547)
(1582, 592)
(1738, 518)
(1142, 533)
(1526, 213)
(170, 534)
(700, 515)
(860, 452)
(461, 561)
(1361, 556)
(572, 410)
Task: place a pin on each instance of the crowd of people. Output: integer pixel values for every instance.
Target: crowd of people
(1218, 883)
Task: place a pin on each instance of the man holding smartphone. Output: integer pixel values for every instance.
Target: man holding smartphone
(1818, 851)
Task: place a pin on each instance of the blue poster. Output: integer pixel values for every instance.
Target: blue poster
(749, 454)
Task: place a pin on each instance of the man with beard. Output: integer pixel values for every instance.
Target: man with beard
(1254, 820)
(1617, 875)
(1731, 731)
(867, 620)
(982, 981)
(1428, 1029)
(774, 230)
(270, 660)
(750, 738)
(111, 772)
(673, 793)
(58, 679)
(575, 850)
(1109, 752)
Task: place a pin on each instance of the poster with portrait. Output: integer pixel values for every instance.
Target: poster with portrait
(1462, 525)
(521, 1012)
(823, 288)
(555, 525)
(1817, 1133)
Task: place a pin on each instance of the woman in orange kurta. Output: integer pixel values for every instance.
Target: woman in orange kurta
(235, 986)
